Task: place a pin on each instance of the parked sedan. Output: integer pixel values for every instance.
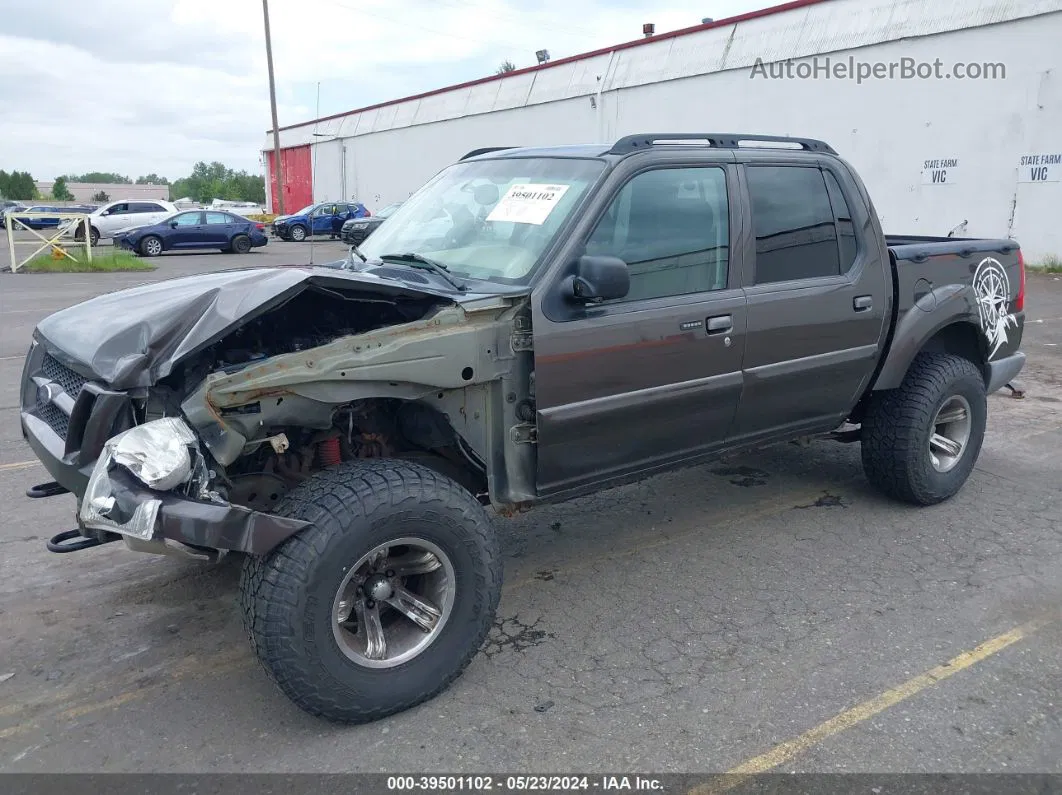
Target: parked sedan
(194, 229)
(354, 231)
(43, 217)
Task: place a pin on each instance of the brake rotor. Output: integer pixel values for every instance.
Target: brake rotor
(258, 491)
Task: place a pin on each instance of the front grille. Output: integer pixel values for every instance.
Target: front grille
(70, 381)
(54, 416)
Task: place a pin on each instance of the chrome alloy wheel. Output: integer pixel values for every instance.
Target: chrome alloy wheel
(950, 434)
(393, 603)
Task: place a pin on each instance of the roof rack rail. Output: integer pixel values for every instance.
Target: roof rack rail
(478, 152)
(634, 143)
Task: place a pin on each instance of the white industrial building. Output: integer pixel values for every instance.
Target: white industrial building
(980, 156)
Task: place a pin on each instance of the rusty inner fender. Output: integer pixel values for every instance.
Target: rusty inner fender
(204, 524)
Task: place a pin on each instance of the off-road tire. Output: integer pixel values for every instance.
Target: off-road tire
(287, 596)
(898, 424)
(298, 233)
(241, 244)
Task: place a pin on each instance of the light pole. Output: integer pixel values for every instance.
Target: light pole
(277, 169)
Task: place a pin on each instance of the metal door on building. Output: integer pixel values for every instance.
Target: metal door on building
(298, 178)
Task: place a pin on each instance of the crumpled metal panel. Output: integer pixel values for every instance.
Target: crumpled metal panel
(134, 337)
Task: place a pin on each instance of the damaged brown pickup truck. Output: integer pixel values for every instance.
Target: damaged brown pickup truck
(532, 325)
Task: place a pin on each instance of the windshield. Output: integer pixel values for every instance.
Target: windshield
(305, 210)
(388, 210)
(490, 219)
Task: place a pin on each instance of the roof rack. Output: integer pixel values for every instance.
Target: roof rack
(634, 143)
(478, 152)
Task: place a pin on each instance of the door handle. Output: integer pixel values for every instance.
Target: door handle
(720, 324)
(861, 303)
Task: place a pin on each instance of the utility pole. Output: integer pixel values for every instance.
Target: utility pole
(277, 170)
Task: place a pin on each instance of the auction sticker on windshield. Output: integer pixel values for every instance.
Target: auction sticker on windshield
(527, 204)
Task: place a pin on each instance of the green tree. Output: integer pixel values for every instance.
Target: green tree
(101, 196)
(60, 192)
(152, 179)
(505, 68)
(18, 186)
(209, 181)
(100, 178)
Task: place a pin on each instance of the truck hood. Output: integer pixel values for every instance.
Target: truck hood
(134, 337)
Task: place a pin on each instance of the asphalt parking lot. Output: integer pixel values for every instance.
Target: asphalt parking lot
(708, 620)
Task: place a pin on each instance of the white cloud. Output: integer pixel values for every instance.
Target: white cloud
(156, 85)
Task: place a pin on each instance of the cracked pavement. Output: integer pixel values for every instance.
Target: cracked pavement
(682, 624)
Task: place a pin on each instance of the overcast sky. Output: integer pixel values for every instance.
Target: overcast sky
(154, 85)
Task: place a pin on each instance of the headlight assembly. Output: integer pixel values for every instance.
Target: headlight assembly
(156, 452)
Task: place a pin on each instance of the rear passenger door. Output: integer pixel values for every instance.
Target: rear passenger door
(818, 298)
(653, 378)
(218, 229)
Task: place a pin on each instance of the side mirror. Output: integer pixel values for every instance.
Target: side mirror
(600, 279)
(173, 224)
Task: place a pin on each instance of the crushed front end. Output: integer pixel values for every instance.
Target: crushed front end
(141, 482)
(180, 414)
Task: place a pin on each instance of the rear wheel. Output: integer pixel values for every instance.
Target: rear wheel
(298, 233)
(241, 244)
(920, 442)
(384, 600)
(150, 246)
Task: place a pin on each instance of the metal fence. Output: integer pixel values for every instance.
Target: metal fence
(62, 237)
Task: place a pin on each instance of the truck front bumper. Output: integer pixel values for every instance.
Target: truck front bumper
(175, 520)
(1000, 373)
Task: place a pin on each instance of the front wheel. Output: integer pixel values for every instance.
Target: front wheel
(150, 246)
(298, 233)
(920, 442)
(384, 600)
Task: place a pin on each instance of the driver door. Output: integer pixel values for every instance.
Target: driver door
(321, 219)
(639, 383)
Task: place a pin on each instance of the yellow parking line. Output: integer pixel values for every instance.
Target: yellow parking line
(18, 465)
(786, 751)
(68, 702)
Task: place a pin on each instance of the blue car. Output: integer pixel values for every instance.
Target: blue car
(194, 229)
(326, 218)
(46, 216)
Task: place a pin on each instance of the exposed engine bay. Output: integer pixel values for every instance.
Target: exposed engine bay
(312, 318)
(289, 432)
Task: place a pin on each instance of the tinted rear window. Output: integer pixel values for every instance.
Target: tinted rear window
(796, 237)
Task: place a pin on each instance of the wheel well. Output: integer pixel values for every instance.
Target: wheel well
(373, 428)
(959, 339)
